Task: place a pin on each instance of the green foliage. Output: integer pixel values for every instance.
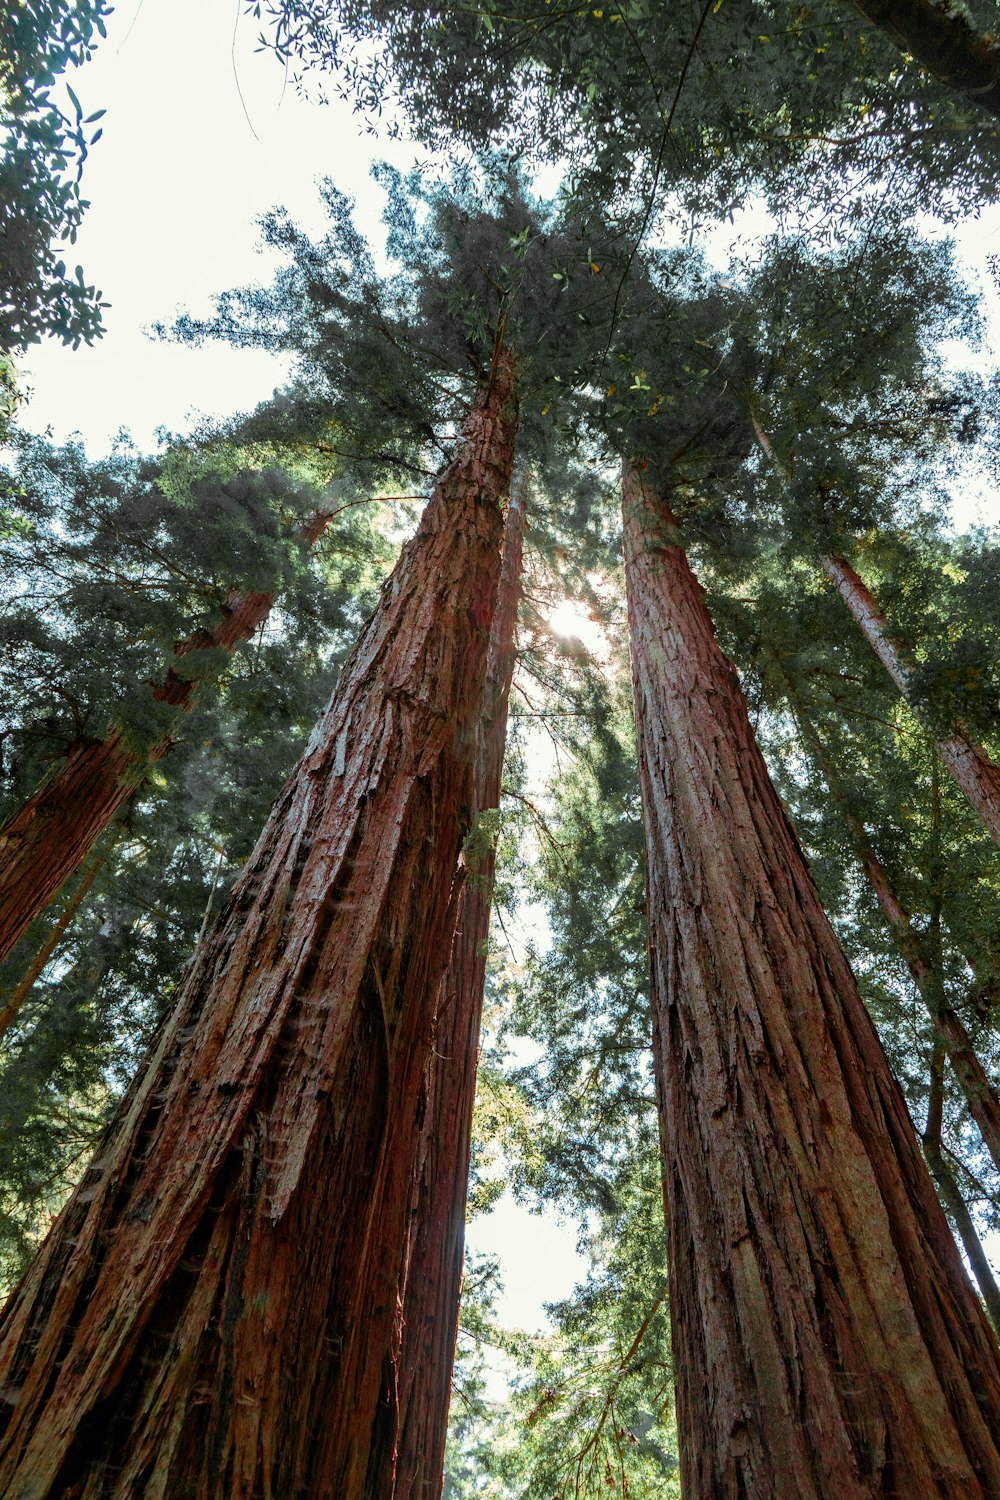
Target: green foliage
(41, 206)
(711, 101)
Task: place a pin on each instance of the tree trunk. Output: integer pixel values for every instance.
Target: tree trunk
(10, 1010)
(826, 1338)
(42, 844)
(950, 1194)
(208, 1318)
(433, 1278)
(980, 1095)
(968, 763)
(941, 39)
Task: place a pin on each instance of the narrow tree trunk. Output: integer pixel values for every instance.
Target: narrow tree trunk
(42, 844)
(208, 1317)
(950, 1192)
(826, 1339)
(10, 1010)
(968, 763)
(980, 1095)
(433, 1277)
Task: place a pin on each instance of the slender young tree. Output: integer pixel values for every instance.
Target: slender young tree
(950, 1031)
(949, 1192)
(436, 1248)
(42, 844)
(826, 1338)
(973, 769)
(209, 1316)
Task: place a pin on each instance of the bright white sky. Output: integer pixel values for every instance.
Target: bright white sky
(176, 185)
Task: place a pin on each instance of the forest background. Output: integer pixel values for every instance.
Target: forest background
(179, 854)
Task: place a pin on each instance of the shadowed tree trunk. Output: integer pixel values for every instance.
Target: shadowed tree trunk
(973, 770)
(209, 1315)
(433, 1277)
(826, 1339)
(940, 37)
(42, 844)
(968, 763)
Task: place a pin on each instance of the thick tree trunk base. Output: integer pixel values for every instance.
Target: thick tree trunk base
(210, 1317)
(827, 1341)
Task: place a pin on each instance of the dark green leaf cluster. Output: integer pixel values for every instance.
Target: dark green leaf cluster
(710, 100)
(43, 151)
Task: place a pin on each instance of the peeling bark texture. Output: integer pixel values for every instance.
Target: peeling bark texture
(433, 1277)
(826, 1339)
(973, 770)
(980, 1095)
(951, 1195)
(43, 843)
(941, 39)
(207, 1320)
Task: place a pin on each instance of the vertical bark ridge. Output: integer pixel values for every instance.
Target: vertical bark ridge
(826, 1338)
(208, 1316)
(42, 844)
(433, 1276)
(973, 770)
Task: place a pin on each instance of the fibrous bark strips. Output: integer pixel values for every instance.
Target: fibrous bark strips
(209, 1317)
(968, 762)
(826, 1338)
(433, 1278)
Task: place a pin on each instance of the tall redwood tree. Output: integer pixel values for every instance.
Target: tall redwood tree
(208, 1317)
(826, 1338)
(433, 1277)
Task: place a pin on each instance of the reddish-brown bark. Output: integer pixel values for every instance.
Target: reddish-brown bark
(42, 844)
(826, 1338)
(10, 1009)
(208, 1318)
(968, 763)
(433, 1277)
